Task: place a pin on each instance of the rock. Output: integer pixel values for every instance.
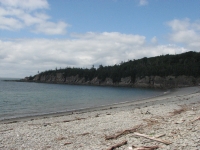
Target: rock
(182, 81)
(191, 113)
(109, 81)
(179, 121)
(145, 82)
(37, 77)
(72, 79)
(159, 82)
(125, 81)
(147, 112)
(142, 82)
(95, 81)
(60, 78)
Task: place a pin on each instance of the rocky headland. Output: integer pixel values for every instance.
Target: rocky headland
(141, 82)
(165, 71)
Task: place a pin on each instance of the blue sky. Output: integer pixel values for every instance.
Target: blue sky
(44, 34)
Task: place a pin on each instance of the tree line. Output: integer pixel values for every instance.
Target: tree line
(165, 65)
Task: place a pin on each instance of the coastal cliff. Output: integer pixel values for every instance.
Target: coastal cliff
(144, 82)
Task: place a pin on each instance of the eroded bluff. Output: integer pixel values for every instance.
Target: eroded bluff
(145, 82)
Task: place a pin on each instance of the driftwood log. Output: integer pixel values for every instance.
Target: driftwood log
(110, 137)
(117, 145)
(83, 134)
(67, 143)
(196, 119)
(153, 138)
(74, 119)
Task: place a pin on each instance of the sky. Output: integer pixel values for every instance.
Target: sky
(39, 35)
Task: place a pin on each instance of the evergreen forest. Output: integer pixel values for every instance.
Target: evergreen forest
(165, 65)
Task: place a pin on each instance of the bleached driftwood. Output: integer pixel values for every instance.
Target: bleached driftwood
(196, 119)
(153, 138)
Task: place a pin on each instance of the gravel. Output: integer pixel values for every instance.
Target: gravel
(173, 117)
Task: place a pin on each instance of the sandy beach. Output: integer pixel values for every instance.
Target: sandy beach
(170, 121)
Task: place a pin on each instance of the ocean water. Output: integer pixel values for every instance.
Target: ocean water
(20, 99)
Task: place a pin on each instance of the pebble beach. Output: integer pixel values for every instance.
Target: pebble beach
(169, 122)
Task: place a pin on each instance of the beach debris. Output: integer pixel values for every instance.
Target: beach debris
(147, 112)
(74, 119)
(179, 111)
(175, 131)
(6, 130)
(97, 115)
(47, 147)
(196, 119)
(191, 113)
(67, 143)
(110, 137)
(153, 138)
(83, 134)
(180, 121)
(145, 147)
(117, 145)
(46, 124)
(33, 124)
(151, 122)
(161, 135)
(61, 138)
(10, 122)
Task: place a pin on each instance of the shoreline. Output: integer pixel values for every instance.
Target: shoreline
(134, 103)
(172, 119)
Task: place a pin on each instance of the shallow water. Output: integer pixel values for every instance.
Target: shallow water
(20, 99)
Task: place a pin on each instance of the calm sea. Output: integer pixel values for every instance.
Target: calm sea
(20, 99)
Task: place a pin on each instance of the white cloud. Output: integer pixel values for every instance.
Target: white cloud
(26, 4)
(51, 28)
(185, 32)
(10, 23)
(115, 36)
(19, 14)
(24, 57)
(143, 2)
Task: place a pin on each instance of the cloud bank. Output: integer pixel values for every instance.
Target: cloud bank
(185, 32)
(83, 50)
(20, 14)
